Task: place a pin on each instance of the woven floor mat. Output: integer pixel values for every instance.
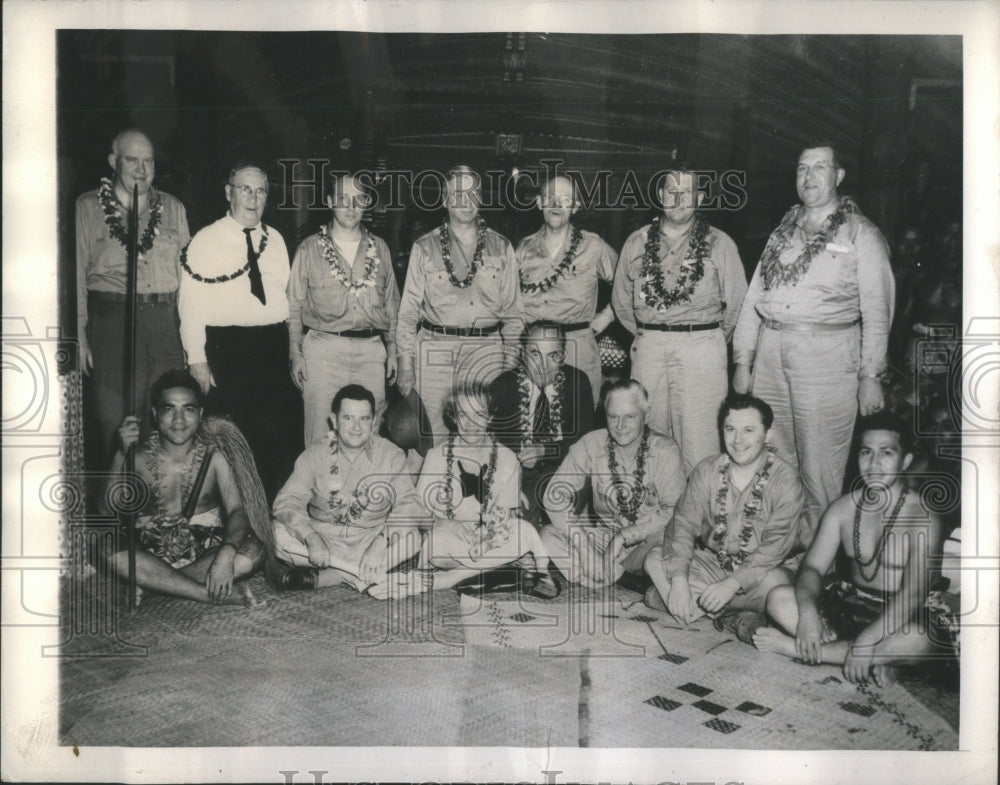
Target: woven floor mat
(697, 687)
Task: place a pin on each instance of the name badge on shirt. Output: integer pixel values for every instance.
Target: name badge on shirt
(837, 248)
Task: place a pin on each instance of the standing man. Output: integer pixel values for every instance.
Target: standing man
(233, 311)
(540, 409)
(635, 476)
(101, 237)
(560, 266)
(462, 293)
(678, 288)
(815, 328)
(343, 289)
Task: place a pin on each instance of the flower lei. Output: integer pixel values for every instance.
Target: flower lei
(230, 276)
(477, 256)
(777, 274)
(752, 509)
(491, 468)
(494, 523)
(153, 450)
(691, 271)
(629, 499)
(345, 512)
(548, 282)
(330, 253)
(555, 409)
(113, 219)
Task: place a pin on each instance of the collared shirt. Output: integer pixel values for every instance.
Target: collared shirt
(774, 530)
(379, 469)
(589, 458)
(428, 294)
(716, 297)
(101, 260)
(573, 297)
(435, 483)
(849, 279)
(320, 301)
(221, 249)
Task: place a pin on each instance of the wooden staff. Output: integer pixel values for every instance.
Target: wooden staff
(131, 287)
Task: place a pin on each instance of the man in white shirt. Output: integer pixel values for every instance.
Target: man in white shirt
(233, 312)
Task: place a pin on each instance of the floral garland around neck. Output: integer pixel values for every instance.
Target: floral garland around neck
(753, 509)
(230, 276)
(629, 499)
(477, 255)
(154, 451)
(113, 218)
(777, 274)
(494, 527)
(343, 511)
(330, 253)
(567, 261)
(555, 409)
(692, 268)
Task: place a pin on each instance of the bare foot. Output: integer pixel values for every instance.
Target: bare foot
(243, 596)
(884, 675)
(397, 586)
(773, 640)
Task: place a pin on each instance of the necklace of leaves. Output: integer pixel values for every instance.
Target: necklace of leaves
(567, 261)
(192, 462)
(627, 498)
(345, 512)
(777, 274)
(753, 509)
(491, 470)
(330, 253)
(555, 408)
(477, 256)
(113, 219)
(691, 271)
(876, 556)
(230, 276)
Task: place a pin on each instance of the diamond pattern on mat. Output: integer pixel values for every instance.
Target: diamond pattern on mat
(857, 708)
(644, 619)
(721, 725)
(522, 617)
(676, 659)
(749, 707)
(663, 703)
(695, 689)
(708, 707)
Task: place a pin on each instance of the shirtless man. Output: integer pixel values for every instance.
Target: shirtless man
(890, 541)
(201, 555)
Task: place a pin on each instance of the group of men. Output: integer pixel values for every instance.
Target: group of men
(650, 493)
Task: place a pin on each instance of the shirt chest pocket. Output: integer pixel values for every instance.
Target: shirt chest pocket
(327, 295)
(488, 283)
(440, 292)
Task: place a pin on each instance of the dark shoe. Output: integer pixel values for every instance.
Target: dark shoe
(296, 578)
(742, 624)
(539, 584)
(503, 581)
(653, 600)
(632, 581)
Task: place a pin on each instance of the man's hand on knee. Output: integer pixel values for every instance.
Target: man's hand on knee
(717, 595)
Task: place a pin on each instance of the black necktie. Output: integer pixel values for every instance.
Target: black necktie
(543, 425)
(256, 284)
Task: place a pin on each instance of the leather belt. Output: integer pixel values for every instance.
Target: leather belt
(353, 333)
(678, 328)
(461, 332)
(810, 327)
(168, 298)
(568, 328)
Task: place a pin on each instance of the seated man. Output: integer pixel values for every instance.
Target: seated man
(196, 528)
(541, 408)
(330, 518)
(734, 525)
(635, 476)
(876, 618)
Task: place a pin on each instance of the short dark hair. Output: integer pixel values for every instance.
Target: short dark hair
(352, 392)
(543, 326)
(885, 420)
(175, 377)
(816, 144)
(451, 405)
(741, 401)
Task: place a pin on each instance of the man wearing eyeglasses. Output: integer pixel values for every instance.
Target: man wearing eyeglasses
(540, 409)
(678, 288)
(233, 312)
(343, 292)
(560, 266)
(460, 312)
(101, 238)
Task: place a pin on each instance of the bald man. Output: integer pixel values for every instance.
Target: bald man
(559, 267)
(101, 237)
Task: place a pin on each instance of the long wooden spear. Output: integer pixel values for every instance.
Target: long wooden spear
(131, 288)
